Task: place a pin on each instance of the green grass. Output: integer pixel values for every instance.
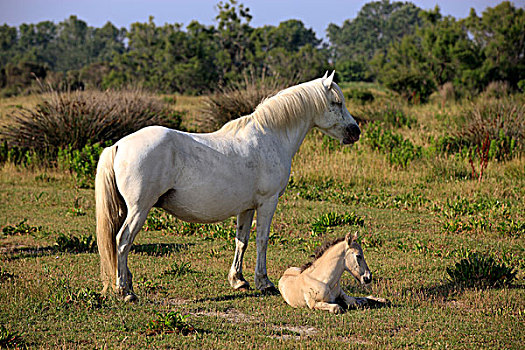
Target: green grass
(414, 223)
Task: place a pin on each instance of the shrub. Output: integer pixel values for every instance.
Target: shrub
(72, 120)
(497, 89)
(359, 95)
(81, 162)
(479, 270)
(502, 121)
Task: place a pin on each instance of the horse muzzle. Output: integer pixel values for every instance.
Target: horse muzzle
(352, 133)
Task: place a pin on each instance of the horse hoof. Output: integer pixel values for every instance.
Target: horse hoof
(242, 286)
(271, 290)
(130, 298)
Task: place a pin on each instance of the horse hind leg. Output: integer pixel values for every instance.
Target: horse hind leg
(131, 226)
(244, 225)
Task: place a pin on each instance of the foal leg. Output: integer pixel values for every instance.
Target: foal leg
(264, 220)
(244, 225)
(132, 225)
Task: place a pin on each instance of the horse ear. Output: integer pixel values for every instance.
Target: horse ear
(327, 82)
(325, 75)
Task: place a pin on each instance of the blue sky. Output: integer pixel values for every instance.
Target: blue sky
(314, 14)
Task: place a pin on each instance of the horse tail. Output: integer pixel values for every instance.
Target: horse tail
(110, 213)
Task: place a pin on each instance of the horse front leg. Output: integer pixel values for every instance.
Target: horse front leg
(264, 220)
(244, 225)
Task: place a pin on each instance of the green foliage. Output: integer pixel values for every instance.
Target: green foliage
(159, 220)
(479, 270)
(73, 244)
(377, 24)
(22, 228)
(359, 95)
(170, 322)
(326, 221)
(81, 162)
(399, 151)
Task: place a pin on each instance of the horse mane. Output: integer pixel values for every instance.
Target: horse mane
(285, 107)
(321, 250)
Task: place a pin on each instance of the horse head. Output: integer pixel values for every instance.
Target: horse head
(336, 121)
(355, 261)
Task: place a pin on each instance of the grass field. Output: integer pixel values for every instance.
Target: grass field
(418, 220)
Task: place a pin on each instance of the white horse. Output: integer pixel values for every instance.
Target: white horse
(242, 168)
(316, 284)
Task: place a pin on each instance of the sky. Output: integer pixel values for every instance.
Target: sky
(314, 14)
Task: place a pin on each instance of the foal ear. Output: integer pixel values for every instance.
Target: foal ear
(327, 82)
(351, 238)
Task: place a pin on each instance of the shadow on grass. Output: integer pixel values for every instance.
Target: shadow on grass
(236, 296)
(445, 290)
(160, 249)
(27, 252)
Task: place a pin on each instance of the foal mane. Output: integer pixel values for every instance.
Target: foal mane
(321, 250)
(285, 107)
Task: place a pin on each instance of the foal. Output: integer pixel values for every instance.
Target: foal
(316, 285)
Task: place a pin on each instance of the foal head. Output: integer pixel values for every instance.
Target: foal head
(355, 261)
(336, 121)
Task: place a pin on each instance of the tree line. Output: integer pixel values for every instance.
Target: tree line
(409, 50)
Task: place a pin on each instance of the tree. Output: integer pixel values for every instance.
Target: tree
(377, 25)
(500, 35)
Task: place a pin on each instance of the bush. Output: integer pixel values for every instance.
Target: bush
(73, 120)
(478, 270)
(358, 95)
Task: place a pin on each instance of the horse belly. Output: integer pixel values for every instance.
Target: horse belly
(203, 206)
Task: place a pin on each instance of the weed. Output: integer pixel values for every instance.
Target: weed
(323, 223)
(170, 322)
(149, 286)
(73, 244)
(20, 229)
(178, 270)
(479, 270)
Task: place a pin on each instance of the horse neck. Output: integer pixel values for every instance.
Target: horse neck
(292, 136)
(330, 266)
